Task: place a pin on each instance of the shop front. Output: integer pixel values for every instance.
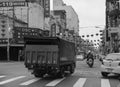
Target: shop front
(15, 52)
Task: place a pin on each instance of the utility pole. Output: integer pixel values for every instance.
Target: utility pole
(8, 44)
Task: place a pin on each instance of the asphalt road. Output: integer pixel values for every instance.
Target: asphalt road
(14, 74)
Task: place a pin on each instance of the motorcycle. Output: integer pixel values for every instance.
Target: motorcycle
(90, 62)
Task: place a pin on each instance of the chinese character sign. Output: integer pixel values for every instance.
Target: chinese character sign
(47, 8)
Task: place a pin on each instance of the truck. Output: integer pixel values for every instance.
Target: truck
(49, 55)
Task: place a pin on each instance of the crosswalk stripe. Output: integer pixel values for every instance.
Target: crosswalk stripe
(30, 81)
(10, 80)
(105, 83)
(118, 85)
(80, 82)
(55, 82)
(2, 76)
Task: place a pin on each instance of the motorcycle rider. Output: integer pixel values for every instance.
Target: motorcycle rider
(90, 55)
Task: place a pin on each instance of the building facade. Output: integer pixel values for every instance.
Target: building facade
(19, 18)
(112, 26)
(7, 28)
(58, 22)
(72, 21)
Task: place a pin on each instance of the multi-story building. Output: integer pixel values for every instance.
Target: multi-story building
(36, 16)
(58, 22)
(72, 21)
(24, 18)
(112, 25)
(7, 35)
(27, 10)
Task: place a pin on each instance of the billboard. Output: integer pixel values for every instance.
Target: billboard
(21, 32)
(11, 4)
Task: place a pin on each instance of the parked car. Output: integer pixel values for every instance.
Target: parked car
(111, 64)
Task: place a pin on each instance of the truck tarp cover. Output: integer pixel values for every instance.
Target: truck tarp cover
(66, 50)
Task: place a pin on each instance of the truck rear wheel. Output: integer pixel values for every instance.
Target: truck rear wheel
(72, 69)
(61, 74)
(38, 75)
(104, 74)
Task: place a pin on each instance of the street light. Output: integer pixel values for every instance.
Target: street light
(8, 45)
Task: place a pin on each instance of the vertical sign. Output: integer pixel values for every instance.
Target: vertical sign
(46, 8)
(53, 30)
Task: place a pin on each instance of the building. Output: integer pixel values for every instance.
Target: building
(20, 18)
(72, 21)
(58, 22)
(45, 5)
(36, 16)
(112, 26)
(7, 35)
(27, 10)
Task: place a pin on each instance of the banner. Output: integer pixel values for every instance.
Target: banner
(46, 8)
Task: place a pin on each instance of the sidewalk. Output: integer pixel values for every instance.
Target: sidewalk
(11, 61)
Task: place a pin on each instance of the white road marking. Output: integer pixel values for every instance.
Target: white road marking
(30, 81)
(55, 82)
(2, 76)
(80, 82)
(105, 83)
(10, 80)
(118, 85)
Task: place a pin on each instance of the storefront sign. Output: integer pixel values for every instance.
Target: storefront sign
(11, 4)
(47, 8)
(114, 29)
(21, 32)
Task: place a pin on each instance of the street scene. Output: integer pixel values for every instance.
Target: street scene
(14, 74)
(59, 43)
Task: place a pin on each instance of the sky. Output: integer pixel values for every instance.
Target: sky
(91, 13)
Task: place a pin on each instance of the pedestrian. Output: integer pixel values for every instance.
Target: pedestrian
(20, 55)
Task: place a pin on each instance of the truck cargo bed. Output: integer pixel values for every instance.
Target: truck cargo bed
(49, 53)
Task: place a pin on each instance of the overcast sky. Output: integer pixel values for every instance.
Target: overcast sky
(90, 13)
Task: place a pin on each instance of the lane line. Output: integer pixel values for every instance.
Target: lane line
(12, 79)
(2, 76)
(80, 82)
(54, 82)
(105, 83)
(30, 81)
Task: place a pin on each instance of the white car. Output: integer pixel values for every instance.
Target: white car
(111, 64)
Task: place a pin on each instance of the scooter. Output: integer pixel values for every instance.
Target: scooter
(90, 62)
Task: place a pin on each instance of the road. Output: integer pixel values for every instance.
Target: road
(14, 74)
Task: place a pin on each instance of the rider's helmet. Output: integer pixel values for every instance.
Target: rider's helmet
(89, 51)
